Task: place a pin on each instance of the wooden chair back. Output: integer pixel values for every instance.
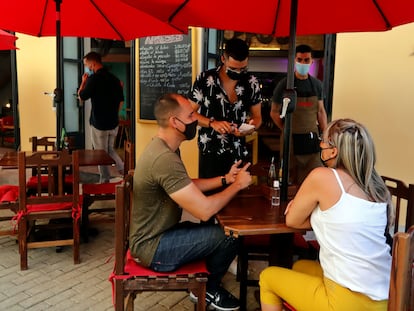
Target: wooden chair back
(103, 192)
(403, 199)
(53, 203)
(129, 278)
(8, 208)
(45, 143)
(401, 294)
(129, 156)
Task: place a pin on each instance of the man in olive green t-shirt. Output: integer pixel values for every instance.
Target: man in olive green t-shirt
(162, 189)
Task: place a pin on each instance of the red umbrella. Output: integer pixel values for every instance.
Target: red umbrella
(7, 41)
(106, 19)
(272, 17)
(282, 18)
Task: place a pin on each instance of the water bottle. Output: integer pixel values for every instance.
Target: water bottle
(275, 194)
(271, 176)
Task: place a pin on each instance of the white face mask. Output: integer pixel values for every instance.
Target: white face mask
(302, 69)
(88, 71)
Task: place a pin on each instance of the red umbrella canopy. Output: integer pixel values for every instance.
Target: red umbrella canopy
(7, 40)
(273, 16)
(106, 19)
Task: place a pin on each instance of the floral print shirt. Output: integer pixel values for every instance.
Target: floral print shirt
(208, 93)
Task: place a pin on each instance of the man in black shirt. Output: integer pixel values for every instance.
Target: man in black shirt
(106, 94)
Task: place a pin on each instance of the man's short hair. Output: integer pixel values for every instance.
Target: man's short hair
(93, 56)
(164, 107)
(237, 49)
(303, 48)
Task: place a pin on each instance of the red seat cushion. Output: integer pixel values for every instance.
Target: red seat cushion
(288, 306)
(135, 269)
(96, 189)
(299, 241)
(32, 182)
(48, 207)
(9, 193)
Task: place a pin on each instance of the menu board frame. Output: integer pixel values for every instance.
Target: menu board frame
(164, 64)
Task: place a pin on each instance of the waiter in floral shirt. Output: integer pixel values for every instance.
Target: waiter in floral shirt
(224, 98)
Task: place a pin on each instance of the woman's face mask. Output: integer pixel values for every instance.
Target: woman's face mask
(324, 161)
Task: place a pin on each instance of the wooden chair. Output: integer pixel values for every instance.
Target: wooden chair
(7, 130)
(45, 143)
(402, 196)
(41, 210)
(9, 205)
(129, 278)
(123, 130)
(401, 294)
(103, 192)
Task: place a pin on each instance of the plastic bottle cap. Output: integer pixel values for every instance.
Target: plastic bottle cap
(275, 184)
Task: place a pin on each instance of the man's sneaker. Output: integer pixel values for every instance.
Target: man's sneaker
(219, 299)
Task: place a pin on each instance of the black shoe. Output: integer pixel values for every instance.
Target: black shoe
(220, 299)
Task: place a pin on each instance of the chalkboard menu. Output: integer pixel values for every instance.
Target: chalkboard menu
(164, 66)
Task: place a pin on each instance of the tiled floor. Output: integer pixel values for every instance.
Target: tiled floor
(53, 282)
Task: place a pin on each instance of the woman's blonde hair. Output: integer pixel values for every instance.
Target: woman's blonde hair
(356, 155)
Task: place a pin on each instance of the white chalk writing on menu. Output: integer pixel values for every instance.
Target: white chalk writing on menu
(164, 66)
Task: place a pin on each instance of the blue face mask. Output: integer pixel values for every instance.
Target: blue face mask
(302, 69)
(88, 71)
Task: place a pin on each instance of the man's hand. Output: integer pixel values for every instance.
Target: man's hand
(243, 178)
(234, 170)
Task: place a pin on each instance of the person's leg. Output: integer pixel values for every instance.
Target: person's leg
(305, 288)
(297, 288)
(189, 242)
(99, 142)
(119, 164)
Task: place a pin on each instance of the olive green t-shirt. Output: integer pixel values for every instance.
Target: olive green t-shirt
(159, 172)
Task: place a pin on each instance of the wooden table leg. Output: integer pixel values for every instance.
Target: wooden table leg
(243, 262)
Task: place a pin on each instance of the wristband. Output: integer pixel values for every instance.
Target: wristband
(211, 120)
(223, 181)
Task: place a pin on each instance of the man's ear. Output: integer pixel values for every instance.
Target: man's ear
(172, 122)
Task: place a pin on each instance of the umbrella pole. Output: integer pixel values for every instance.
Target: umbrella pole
(292, 96)
(58, 92)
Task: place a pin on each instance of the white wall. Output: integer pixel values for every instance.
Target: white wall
(374, 85)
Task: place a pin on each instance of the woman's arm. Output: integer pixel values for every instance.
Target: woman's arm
(318, 186)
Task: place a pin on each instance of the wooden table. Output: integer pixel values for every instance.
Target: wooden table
(250, 214)
(87, 157)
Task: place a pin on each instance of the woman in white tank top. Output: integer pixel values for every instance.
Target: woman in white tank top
(348, 206)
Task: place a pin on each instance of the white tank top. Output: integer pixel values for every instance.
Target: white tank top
(353, 250)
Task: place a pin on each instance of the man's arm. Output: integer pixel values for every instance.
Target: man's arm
(82, 86)
(322, 118)
(202, 120)
(204, 207)
(256, 115)
(275, 115)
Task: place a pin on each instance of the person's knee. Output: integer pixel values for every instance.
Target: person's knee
(218, 237)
